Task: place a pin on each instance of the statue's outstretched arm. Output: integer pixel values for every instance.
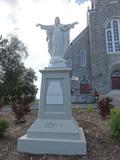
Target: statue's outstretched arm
(68, 26)
(45, 27)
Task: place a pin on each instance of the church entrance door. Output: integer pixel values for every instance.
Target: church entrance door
(84, 87)
(116, 80)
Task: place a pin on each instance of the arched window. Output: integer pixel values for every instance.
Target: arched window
(113, 36)
(83, 58)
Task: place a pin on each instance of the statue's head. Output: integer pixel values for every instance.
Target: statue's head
(57, 21)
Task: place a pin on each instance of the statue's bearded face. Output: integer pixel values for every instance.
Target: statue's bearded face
(57, 21)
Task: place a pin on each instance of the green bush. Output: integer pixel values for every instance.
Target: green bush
(114, 123)
(90, 108)
(3, 126)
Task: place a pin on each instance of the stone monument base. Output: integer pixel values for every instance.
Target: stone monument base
(55, 131)
(49, 136)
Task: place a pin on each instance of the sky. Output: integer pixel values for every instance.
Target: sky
(20, 17)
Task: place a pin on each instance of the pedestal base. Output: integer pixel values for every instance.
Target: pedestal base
(53, 137)
(55, 131)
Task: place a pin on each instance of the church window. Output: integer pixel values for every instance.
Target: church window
(109, 25)
(116, 32)
(82, 58)
(113, 36)
(109, 39)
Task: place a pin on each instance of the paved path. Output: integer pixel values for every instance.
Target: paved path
(8, 107)
(115, 95)
(35, 106)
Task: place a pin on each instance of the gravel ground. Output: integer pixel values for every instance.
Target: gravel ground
(101, 146)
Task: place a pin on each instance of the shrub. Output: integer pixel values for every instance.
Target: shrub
(114, 123)
(19, 112)
(26, 102)
(90, 108)
(104, 106)
(21, 109)
(3, 127)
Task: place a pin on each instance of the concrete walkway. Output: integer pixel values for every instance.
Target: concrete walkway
(7, 108)
(35, 106)
(115, 95)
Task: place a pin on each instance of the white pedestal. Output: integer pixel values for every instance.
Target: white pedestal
(55, 131)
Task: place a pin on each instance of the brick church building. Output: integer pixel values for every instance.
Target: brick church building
(94, 55)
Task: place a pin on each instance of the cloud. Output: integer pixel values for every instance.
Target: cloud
(10, 2)
(8, 12)
(80, 1)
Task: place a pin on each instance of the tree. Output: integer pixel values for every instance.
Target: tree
(16, 80)
(25, 84)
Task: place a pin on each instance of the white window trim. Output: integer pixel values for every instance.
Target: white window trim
(112, 31)
(85, 61)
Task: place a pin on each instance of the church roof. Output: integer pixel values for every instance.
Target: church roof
(75, 41)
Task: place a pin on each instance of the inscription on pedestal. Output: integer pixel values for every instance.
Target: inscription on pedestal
(54, 93)
(52, 125)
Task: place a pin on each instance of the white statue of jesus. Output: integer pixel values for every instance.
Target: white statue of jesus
(58, 40)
